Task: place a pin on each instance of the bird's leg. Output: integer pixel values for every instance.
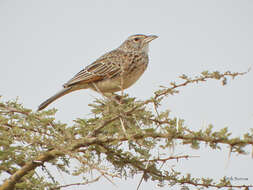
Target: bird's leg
(117, 97)
(111, 96)
(114, 97)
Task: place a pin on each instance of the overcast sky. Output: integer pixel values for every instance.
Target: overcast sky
(43, 43)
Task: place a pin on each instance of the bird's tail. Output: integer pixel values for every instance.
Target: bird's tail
(55, 97)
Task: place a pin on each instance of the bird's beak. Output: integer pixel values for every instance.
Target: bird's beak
(150, 38)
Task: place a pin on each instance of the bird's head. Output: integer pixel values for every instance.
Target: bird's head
(137, 42)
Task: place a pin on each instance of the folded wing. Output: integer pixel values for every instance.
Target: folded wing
(99, 70)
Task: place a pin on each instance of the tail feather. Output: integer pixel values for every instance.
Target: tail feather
(54, 97)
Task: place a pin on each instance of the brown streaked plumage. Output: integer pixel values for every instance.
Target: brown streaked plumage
(112, 72)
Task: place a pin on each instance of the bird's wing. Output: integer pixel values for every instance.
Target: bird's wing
(106, 67)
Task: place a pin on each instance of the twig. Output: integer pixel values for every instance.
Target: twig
(142, 176)
(122, 126)
(74, 184)
(170, 158)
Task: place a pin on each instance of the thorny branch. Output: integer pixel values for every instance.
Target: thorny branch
(77, 184)
(105, 141)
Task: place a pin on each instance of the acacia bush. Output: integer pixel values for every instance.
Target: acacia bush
(116, 141)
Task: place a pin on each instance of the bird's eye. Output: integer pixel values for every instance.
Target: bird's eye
(136, 39)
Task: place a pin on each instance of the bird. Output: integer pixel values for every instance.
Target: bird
(112, 72)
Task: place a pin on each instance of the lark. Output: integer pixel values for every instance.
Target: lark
(114, 71)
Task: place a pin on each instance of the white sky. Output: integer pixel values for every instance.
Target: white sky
(44, 43)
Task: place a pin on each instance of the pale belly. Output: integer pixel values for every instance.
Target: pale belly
(118, 83)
